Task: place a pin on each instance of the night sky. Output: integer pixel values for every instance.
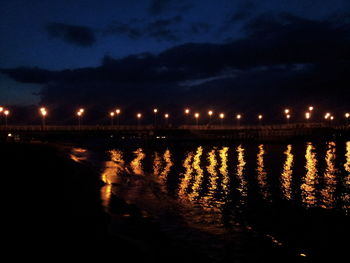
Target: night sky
(232, 56)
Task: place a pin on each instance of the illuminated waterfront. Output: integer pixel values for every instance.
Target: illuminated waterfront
(264, 188)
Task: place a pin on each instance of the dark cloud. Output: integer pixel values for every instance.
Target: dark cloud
(127, 29)
(161, 29)
(285, 59)
(159, 6)
(77, 35)
(243, 11)
(200, 28)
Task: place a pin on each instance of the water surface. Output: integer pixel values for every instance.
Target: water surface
(297, 195)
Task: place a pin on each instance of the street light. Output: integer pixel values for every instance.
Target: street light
(139, 115)
(6, 112)
(221, 116)
(166, 116)
(80, 114)
(288, 117)
(187, 112)
(260, 118)
(43, 114)
(196, 115)
(1, 110)
(347, 115)
(210, 113)
(155, 116)
(117, 111)
(239, 116)
(307, 115)
(112, 117)
(286, 111)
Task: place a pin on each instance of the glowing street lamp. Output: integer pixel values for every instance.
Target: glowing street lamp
(221, 116)
(117, 111)
(196, 115)
(166, 116)
(307, 115)
(112, 117)
(155, 111)
(1, 110)
(80, 115)
(43, 113)
(186, 118)
(311, 108)
(138, 115)
(260, 118)
(238, 117)
(210, 113)
(6, 112)
(286, 111)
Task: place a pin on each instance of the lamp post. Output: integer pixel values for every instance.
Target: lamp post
(327, 117)
(117, 111)
(187, 112)
(196, 116)
(288, 117)
(210, 113)
(166, 116)
(221, 116)
(112, 117)
(1, 111)
(6, 112)
(138, 115)
(238, 117)
(43, 115)
(287, 114)
(155, 111)
(80, 115)
(307, 116)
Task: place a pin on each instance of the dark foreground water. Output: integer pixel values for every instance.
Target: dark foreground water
(295, 196)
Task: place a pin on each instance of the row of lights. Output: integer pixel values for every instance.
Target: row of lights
(196, 115)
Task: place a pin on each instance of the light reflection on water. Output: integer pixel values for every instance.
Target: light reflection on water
(311, 178)
(346, 181)
(329, 178)
(243, 184)
(286, 177)
(198, 177)
(261, 173)
(208, 176)
(79, 154)
(136, 164)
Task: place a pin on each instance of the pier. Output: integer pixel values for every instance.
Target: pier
(230, 132)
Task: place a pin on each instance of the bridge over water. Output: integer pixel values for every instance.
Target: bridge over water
(245, 132)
